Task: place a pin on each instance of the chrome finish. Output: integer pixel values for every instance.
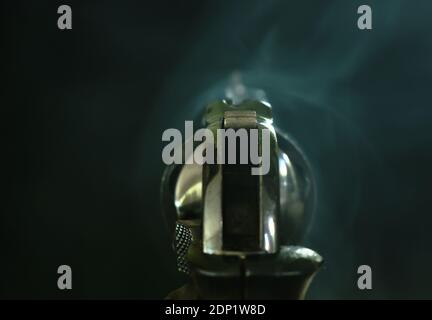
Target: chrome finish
(281, 197)
(214, 205)
(188, 192)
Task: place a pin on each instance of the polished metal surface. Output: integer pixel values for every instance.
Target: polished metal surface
(281, 194)
(188, 192)
(239, 225)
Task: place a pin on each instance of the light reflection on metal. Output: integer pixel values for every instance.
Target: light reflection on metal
(281, 202)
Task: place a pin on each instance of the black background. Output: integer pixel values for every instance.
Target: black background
(83, 111)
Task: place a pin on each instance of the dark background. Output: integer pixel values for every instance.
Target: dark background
(83, 111)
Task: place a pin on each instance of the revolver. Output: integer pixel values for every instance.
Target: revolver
(237, 235)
